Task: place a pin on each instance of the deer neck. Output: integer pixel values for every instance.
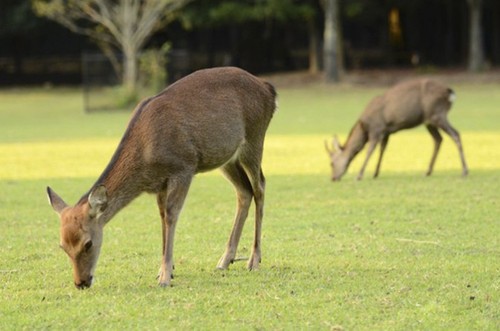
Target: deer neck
(121, 178)
(355, 142)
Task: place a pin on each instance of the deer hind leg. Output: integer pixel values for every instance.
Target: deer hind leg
(259, 185)
(372, 143)
(235, 173)
(437, 144)
(160, 199)
(173, 200)
(383, 145)
(251, 163)
(446, 126)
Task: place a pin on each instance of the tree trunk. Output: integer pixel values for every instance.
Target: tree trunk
(130, 71)
(476, 50)
(313, 48)
(331, 35)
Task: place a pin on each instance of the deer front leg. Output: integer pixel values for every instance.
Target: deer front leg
(371, 147)
(383, 145)
(174, 200)
(437, 144)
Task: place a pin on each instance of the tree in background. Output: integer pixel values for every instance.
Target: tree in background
(332, 50)
(124, 25)
(476, 48)
(16, 23)
(236, 13)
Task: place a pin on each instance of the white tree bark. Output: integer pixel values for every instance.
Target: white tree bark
(331, 35)
(476, 48)
(125, 25)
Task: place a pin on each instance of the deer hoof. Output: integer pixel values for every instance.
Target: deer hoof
(224, 262)
(167, 284)
(164, 278)
(223, 265)
(164, 282)
(253, 263)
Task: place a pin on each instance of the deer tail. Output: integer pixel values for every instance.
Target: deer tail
(274, 94)
(451, 95)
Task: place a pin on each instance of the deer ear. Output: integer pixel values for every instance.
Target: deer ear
(98, 200)
(328, 149)
(336, 143)
(55, 201)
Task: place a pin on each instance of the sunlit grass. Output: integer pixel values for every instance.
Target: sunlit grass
(408, 151)
(402, 252)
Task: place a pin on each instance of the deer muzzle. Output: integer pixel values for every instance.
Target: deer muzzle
(83, 284)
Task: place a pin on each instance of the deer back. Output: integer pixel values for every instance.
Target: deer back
(196, 124)
(406, 105)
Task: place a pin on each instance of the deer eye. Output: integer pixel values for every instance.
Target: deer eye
(88, 246)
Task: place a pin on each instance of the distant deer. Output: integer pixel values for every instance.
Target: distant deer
(404, 106)
(213, 118)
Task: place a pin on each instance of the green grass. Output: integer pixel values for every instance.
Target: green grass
(402, 252)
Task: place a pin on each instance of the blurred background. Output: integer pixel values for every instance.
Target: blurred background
(137, 45)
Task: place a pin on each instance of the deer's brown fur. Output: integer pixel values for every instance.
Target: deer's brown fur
(404, 106)
(213, 118)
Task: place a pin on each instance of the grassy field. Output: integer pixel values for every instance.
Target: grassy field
(403, 252)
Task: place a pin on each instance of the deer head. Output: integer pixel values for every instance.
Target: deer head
(81, 232)
(338, 160)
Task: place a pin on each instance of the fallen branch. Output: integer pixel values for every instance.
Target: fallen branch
(240, 259)
(419, 241)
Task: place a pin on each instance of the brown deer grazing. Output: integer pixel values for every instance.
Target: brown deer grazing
(404, 106)
(212, 118)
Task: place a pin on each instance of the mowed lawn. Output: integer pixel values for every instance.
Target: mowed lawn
(402, 252)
